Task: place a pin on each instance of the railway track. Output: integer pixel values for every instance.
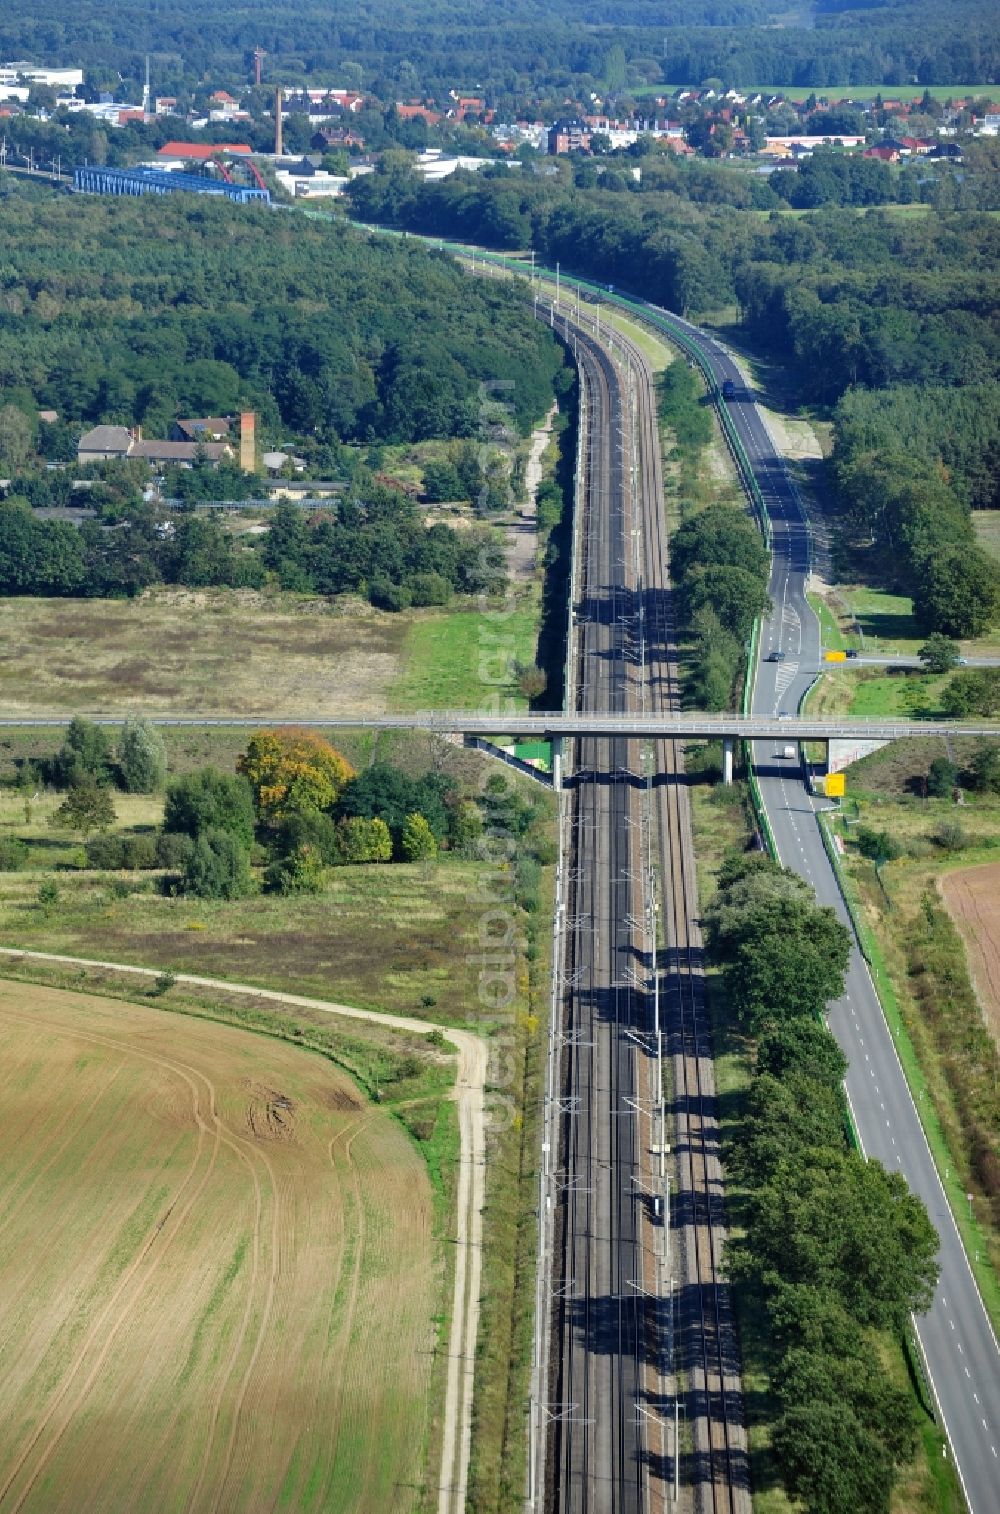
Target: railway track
(618, 1364)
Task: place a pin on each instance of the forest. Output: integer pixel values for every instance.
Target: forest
(870, 310)
(525, 46)
(140, 312)
(846, 299)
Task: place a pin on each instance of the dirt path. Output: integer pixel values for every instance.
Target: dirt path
(470, 1085)
(972, 898)
(522, 532)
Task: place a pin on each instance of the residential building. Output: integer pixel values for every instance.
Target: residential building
(104, 443)
(413, 112)
(568, 136)
(332, 138)
(209, 428)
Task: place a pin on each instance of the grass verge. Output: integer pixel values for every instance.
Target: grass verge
(890, 917)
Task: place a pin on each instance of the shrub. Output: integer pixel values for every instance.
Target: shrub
(385, 595)
(173, 849)
(298, 872)
(950, 836)
(106, 852)
(429, 589)
(218, 868)
(140, 851)
(13, 854)
(878, 846)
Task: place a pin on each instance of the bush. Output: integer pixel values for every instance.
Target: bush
(173, 849)
(13, 854)
(140, 852)
(218, 868)
(950, 836)
(107, 853)
(298, 872)
(878, 846)
(385, 595)
(429, 589)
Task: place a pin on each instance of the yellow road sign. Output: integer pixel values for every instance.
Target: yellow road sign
(836, 785)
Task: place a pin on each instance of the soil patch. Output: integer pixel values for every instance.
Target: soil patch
(972, 896)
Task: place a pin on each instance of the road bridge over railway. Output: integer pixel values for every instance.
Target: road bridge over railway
(558, 725)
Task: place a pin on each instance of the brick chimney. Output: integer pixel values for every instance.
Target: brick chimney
(248, 441)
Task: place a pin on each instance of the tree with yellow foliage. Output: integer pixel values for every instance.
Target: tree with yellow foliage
(292, 770)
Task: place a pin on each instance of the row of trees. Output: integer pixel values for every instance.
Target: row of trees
(374, 543)
(720, 569)
(836, 1247)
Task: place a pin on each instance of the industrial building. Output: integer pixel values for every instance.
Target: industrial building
(156, 181)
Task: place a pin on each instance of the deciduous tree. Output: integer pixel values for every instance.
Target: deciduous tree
(293, 769)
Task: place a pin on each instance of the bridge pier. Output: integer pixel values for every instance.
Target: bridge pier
(728, 744)
(557, 763)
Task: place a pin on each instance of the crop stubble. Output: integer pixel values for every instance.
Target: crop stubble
(972, 896)
(218, 1270)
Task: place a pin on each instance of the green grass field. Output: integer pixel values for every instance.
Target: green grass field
(986, 524)
(464, 661)
(877, 621)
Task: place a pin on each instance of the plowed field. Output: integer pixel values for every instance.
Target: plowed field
(216, 1271)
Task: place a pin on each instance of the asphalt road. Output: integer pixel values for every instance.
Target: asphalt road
(960, 1349)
